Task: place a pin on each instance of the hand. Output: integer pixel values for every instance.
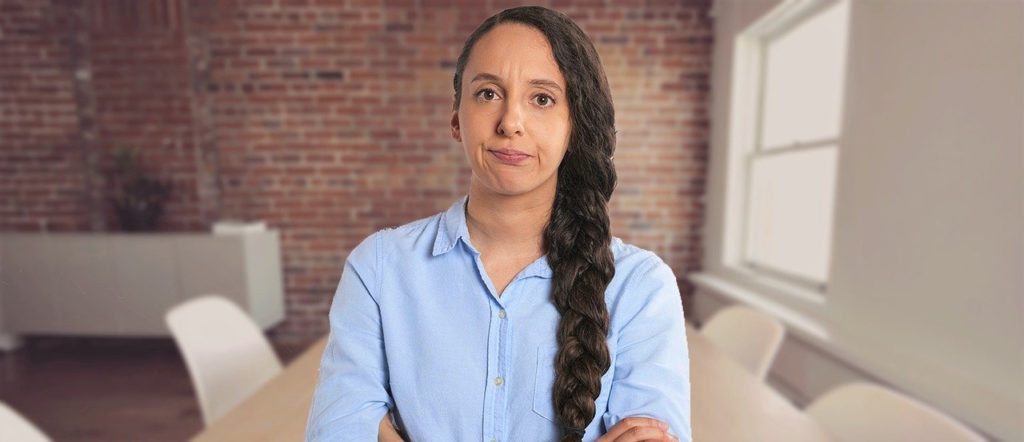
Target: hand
(635, 429)
(387, 432)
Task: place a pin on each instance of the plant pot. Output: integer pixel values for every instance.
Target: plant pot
(138, 219)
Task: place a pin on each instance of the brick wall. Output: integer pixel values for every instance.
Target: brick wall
(41, 171)
(142, 83)
(328, 119)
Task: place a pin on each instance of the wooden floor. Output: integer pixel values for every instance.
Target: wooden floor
(91, 389)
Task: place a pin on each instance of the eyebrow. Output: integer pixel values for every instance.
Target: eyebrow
(484, 76)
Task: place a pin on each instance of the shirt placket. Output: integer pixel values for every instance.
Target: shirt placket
(498, 366)
(494, 391)
(501, 379)
(499, 357)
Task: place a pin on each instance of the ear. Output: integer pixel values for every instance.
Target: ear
(456, 133)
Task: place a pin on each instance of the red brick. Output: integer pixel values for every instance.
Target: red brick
(329, 120)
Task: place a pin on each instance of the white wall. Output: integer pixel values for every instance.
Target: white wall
(926, 290)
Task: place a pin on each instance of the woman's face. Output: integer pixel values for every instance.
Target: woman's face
(513, 118)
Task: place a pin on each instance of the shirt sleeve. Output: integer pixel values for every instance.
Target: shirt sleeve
(352, 394)
(652, 366)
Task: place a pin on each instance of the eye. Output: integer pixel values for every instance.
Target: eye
(487, 94)
(544, 100)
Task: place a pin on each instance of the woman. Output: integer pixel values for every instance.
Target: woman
(514, 315)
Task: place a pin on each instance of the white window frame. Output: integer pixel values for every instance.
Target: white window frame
(744, 135)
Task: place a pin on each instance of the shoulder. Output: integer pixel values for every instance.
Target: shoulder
(632, 262)
(642, 280)
(418, 235)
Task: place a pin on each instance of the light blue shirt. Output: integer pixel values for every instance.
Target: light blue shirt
(417, 326)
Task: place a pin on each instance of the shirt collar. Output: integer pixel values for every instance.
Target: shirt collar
(453, 228)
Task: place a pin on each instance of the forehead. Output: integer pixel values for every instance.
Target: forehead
(513, 50)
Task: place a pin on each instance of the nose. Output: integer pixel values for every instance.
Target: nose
(511, 123)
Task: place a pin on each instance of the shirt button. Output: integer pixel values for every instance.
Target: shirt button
(501, 313)
(498, 381)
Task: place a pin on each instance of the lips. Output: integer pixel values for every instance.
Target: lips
(509, 156)
(510, 152)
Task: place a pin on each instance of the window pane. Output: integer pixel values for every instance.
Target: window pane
(790, 211)
(803, 71)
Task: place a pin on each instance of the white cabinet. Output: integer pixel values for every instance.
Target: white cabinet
(122, 284)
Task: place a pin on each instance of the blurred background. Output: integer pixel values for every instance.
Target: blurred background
(852, 170)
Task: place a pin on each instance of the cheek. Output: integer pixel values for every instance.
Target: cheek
(478, 121)
(555, 157)
(556, 135)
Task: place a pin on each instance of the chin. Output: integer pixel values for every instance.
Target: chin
(510, 190)
(510, 187)
(514, 187)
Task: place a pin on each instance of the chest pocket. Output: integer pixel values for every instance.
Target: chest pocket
(544, 380)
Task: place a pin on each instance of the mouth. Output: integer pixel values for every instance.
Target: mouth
(509, 156)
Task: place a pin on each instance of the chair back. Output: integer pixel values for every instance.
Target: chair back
(14, 427)
(226, 353)
(862, 411)
(750, 336)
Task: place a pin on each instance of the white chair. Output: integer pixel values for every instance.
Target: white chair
(861, 411)
(750, 336)
(14, 427)
(226, 353)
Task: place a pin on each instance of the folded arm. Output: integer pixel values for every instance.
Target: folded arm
(352, 394)
(652, 368)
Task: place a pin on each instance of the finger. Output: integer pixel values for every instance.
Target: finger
(646, 433)
(386, 432)
(630, 423)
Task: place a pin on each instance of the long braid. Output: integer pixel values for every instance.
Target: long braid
(577, 242)
(577, 237)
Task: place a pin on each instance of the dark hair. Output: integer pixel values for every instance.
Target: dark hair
(577, 237)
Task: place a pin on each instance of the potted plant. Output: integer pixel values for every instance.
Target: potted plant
(137, 200)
